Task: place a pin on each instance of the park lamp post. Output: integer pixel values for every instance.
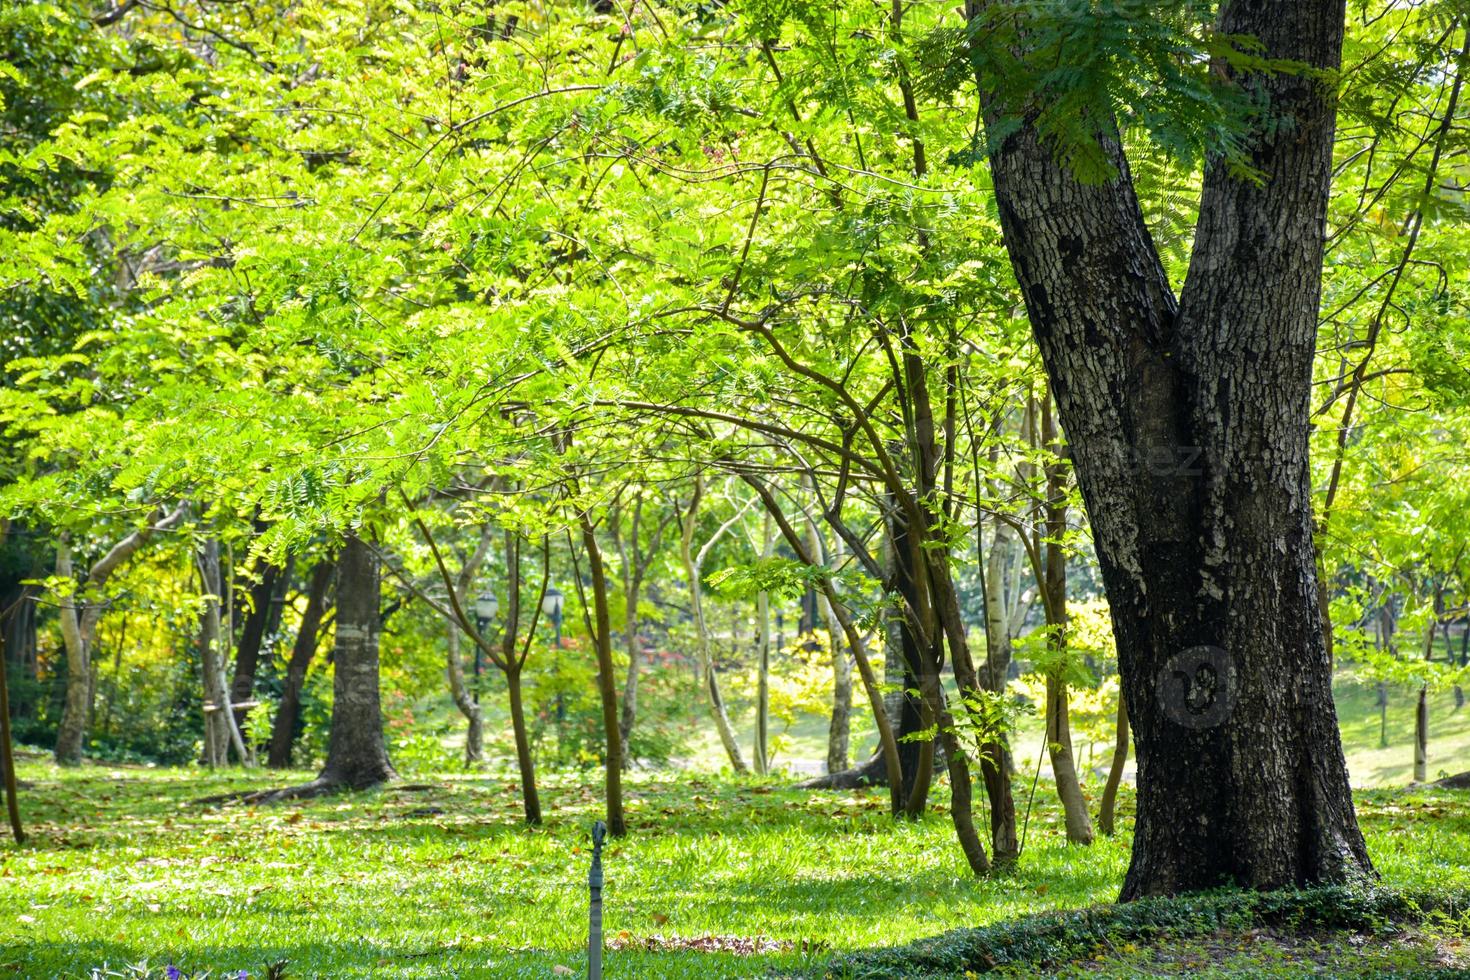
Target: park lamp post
(487, 607)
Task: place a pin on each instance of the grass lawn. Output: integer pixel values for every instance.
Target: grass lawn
(444, 881)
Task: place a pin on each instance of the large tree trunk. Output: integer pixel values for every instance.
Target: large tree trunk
(1188, 423)
(283, 729)
(357, 756)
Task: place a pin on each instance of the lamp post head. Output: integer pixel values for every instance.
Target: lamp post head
(551, 603)
(487, 606)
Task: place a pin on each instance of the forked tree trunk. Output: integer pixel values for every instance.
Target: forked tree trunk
(357, 756)
(1188, 423)
(283, 729)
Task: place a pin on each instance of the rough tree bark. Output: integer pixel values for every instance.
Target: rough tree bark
(1188, 423)
(283, 729)
(357, 756)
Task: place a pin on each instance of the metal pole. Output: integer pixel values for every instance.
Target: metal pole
(594, 884)
(561, 705)
(481, 624)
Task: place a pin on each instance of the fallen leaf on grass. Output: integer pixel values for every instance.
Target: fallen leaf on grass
(738, 945)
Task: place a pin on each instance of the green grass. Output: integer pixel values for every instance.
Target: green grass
(123, 867)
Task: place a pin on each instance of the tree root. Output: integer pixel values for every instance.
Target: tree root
(306, 791)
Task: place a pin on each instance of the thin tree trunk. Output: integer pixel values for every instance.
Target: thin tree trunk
(252, 635)
(759, 751)
(888, 744)
(839, 728)
(1421, 714)
(606, 681)
(221, 734)
(708, 678)
(9, 786)
(1058, 722)
(465, 700)
(530, 799)
(357, 756)
(1421, 735)
(763, 662)
(996, 764)
(71, 733)
(1115, 771)
(283, 729)
(627, 568)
